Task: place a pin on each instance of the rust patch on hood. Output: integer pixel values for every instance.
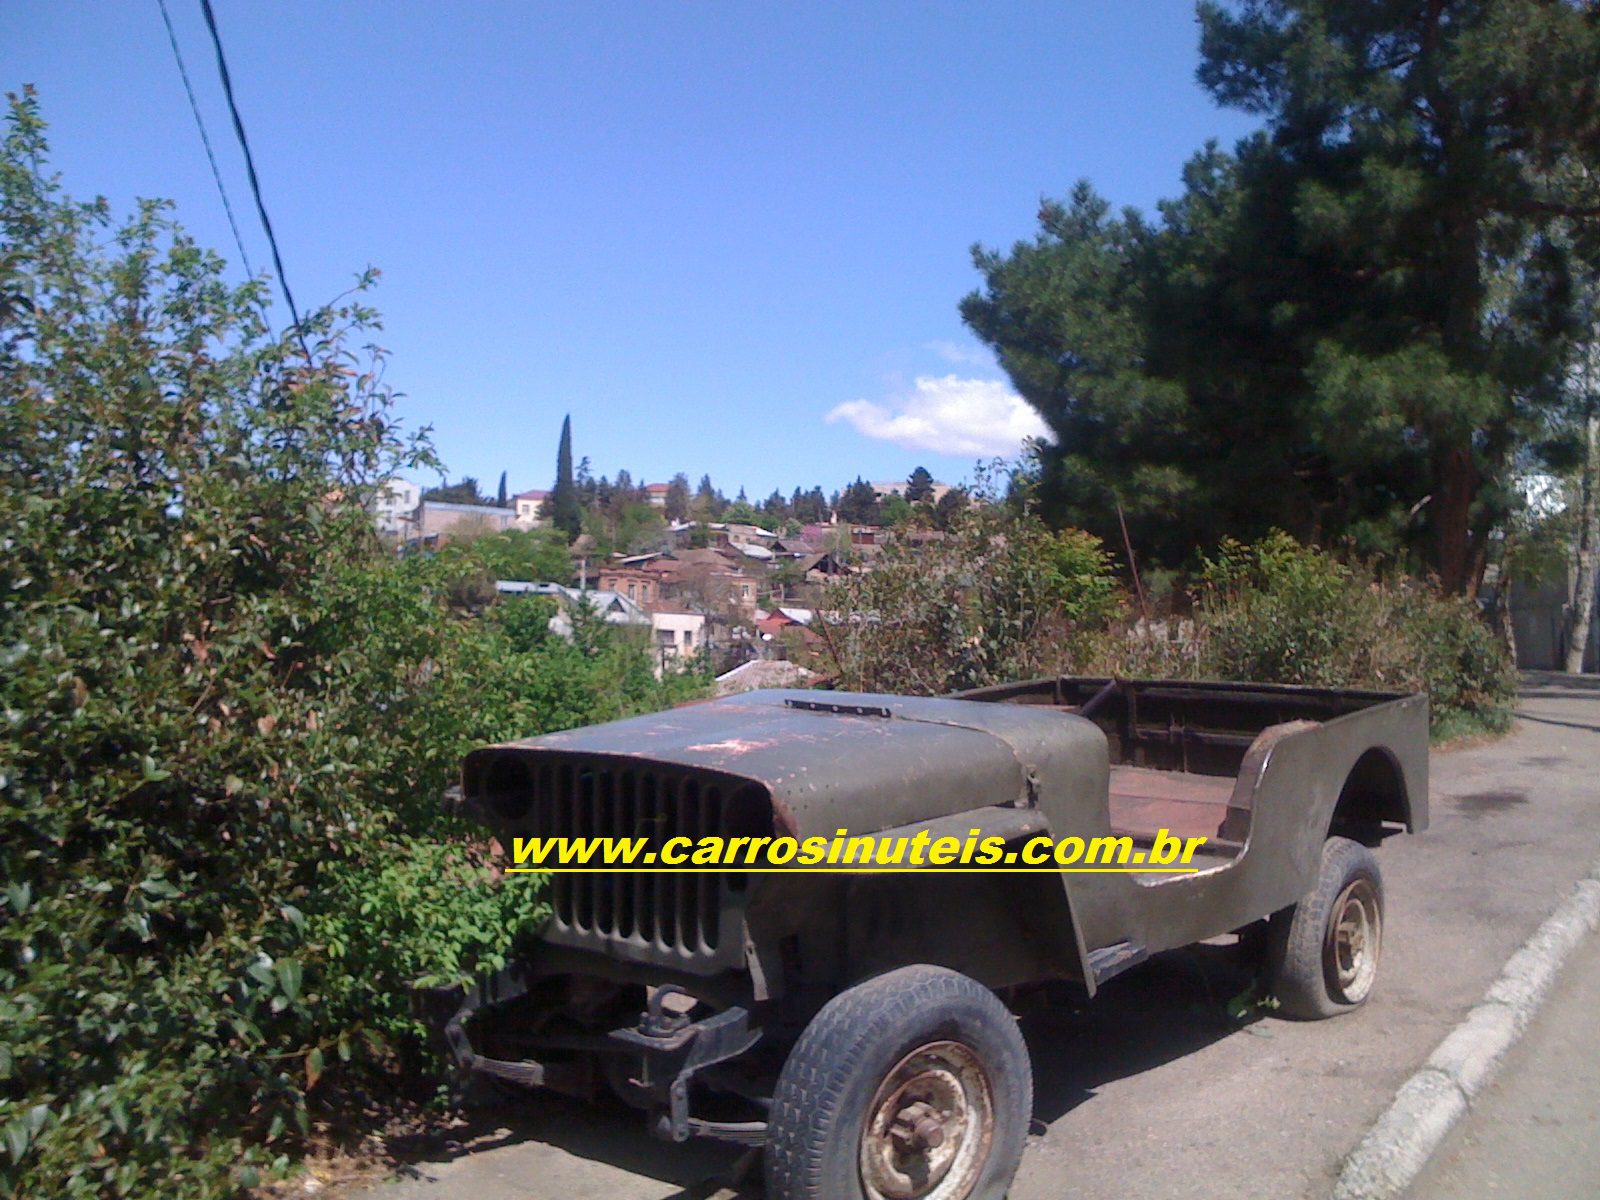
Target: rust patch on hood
(732, 747)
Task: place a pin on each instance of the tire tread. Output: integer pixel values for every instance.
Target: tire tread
(819, 1071)
(1298, 981)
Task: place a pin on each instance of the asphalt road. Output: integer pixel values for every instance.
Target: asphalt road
(1151, 1091)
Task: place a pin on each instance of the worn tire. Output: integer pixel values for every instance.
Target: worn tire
(1323, 952)
(886, 1044)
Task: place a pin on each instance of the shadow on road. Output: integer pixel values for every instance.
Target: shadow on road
(1557, 685)
(1171, 1007)
(1525, 716)
(1168, 1008)
(606, 1133)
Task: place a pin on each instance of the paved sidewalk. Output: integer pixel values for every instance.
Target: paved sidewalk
(1535, 1133)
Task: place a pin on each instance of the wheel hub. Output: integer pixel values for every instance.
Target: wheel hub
(1354, 938)
(929, 1126)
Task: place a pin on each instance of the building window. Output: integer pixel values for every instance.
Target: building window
(688, 637)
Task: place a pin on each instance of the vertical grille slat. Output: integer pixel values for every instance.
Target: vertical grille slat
(667, 798)
(558, 801)
(666, 912)
(686, 825)
(707, 889)
(626, 885)
(582, 885)
(605, 886)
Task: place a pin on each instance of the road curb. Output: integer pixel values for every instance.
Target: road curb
(1430, 1103)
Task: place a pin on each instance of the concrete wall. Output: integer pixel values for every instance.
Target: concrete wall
(435, 517)
(1538, 615)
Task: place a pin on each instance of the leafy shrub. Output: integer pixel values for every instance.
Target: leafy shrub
(1276, 611)
(1465, 669)
(997, 597)
(1002, 598)
(425, 913)
(228, 713)
(1280, 612)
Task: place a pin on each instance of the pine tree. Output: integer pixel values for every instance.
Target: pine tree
(1348, 328)
(678, 498)
(859, 504)
(919, 486)
(1411, 146)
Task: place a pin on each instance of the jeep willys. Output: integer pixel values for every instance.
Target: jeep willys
(853, 1023)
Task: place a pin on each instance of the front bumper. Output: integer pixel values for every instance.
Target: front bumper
(659, 1056)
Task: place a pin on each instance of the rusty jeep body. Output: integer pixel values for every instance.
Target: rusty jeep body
(853, 1023)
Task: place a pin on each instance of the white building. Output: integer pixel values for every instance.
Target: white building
(394, 506)
(678, 632)
(527, 505)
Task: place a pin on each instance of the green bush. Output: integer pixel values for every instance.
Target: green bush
(423, 914)
(1002, 598)
(229, 714)
(1280, 612)
(996, 597)
(1465, 669)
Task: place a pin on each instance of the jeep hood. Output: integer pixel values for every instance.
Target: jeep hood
(838, 760)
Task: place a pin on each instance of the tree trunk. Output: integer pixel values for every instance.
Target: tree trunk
(1456, 475)
(1452, 518)
(1587, 558)
(1509, 626)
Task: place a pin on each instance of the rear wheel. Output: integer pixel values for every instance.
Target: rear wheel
(912, 1086)
(1323, 952)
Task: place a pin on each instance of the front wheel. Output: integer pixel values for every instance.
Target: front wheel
(1323, 952)
(911, 1086)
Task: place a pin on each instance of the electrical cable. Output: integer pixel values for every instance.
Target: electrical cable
(205, 140)
(250, 168)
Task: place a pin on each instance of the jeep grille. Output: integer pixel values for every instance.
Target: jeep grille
(693, 921)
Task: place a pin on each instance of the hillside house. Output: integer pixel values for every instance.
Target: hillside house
(679, 633)
(527, 506)
(638, 585)
(898, 488)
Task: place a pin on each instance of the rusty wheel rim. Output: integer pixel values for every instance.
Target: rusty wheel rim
(1355, 936)
(929, 1126)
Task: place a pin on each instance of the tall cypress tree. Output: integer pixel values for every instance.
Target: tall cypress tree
(501, 499)
(564, 514)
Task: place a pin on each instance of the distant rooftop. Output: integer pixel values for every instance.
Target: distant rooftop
(452, 506)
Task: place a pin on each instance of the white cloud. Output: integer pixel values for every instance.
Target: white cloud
(962, 356)
(948, 415)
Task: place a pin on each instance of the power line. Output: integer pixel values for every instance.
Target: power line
(250, 167)
(205, 140)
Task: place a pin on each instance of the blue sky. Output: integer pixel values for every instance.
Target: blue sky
(727, 238)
